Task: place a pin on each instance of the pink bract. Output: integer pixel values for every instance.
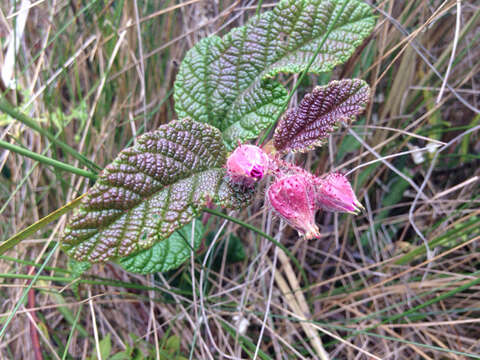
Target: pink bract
(292, 197)
(334, 193)
(247, 165)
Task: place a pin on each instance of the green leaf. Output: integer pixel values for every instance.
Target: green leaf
(318, 114)
(173, 344)
(227, 83)
(167, 254)
(105, 346)
(150, 190)
(78, 268)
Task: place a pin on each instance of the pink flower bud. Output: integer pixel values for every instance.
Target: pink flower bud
(247, 165)
(334, 193)
(292, 197)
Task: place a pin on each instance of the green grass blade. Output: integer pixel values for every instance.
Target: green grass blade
(25, 292)
(8, 109)
(46, 160)
(14, 240)
(74, 326)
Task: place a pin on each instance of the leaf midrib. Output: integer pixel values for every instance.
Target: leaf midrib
(147, 199)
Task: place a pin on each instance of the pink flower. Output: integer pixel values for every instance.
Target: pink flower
(247, 165)
(292, 197)
(334, 193)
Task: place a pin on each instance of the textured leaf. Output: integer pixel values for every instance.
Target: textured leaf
(226, 82)
(78, 268)
(318, 113)
(167, 254)
(150, 190)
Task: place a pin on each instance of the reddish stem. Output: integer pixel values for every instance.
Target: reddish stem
(34, 320)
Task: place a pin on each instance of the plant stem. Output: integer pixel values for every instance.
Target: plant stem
(46, 160)
(10, 110)
(93, 281)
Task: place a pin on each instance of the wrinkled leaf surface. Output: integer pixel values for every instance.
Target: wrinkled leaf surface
(150, 190)
(317, 115)
(227, 82)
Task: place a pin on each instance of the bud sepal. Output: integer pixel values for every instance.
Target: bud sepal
(292, 198)
(334, 193)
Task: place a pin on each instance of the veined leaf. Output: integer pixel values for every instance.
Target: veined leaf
(150, 190)
(319, 112)
(227, 83)
(78, 268)
(167, 254)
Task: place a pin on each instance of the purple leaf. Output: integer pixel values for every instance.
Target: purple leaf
(318, 114)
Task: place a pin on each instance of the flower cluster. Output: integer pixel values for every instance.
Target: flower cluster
(295, 194)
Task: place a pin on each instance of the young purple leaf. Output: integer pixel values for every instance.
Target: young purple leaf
(334, 193)
(317, 115)
(292, 197)
(247, 165)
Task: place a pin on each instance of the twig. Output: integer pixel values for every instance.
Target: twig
(454, 49)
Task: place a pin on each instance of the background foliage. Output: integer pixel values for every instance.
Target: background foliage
(93, 74)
